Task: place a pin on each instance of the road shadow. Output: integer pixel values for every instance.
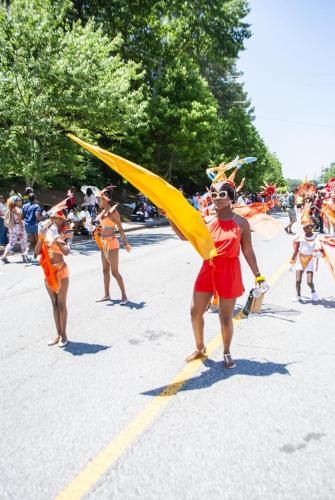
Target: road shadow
(81, 348)
(140, 240)
(327, 302)
(216, 372)
(130, 304)
(277, 312)
(84, 245)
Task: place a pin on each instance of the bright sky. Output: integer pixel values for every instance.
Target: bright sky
(289, 74)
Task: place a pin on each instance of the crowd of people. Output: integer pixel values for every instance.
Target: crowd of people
(50, 232)
(317, 203)
(228, 214)
(20, 216)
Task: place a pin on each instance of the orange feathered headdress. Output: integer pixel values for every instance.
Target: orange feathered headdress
(306, 188)
(305, 217)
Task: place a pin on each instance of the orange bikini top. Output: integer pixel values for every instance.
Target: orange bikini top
(107, 222)
(53, 248)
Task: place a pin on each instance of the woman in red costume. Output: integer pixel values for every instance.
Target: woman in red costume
(54, 241)
(222, 274)
(108, 218)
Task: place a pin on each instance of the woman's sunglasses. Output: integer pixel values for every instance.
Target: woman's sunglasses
(222, 195)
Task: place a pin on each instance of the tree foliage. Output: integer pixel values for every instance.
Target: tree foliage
(55, 76)
(328, 173)
(153, 80)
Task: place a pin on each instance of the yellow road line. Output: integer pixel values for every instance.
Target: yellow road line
(86, 479)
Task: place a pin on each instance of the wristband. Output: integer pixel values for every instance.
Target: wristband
(260, 278)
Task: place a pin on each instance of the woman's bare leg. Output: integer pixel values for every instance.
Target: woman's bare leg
(106, 274)
(199, 306)
(114, 265)
(226, 310)
(62, 308)
(53, 297)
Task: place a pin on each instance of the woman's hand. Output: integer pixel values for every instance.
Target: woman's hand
(127, 246)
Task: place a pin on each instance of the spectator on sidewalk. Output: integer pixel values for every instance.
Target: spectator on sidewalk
(14, 192)
(25, 197)
(241, 199)
(3, 229)
(45, 211)
(85, 220)
(318, 205)
(291, 212)
(90, 201)
(32, 215)
(73, 216)
(14, 223)
(71, 202)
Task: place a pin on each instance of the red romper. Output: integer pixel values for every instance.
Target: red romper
(222, 274)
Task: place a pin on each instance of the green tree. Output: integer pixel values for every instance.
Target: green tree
(184, 121)
(293, 183)
(239, 137)
(328, 173)
(56, 76)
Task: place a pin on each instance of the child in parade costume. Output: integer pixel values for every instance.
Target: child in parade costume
(221, 274)
(307, 249)
(108, 243)
(54, 241)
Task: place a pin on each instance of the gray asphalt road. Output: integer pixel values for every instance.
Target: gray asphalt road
(263, 430)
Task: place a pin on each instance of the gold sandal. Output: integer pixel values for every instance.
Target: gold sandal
(228, 361)
(54, 341)
(197, 354)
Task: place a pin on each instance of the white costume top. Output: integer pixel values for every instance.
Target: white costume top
(308, 245)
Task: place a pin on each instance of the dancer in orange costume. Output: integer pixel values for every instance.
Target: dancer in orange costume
(328, 207)
(108, 243)
(222, 274)
(54, 241)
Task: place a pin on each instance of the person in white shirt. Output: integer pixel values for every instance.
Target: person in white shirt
(241, 200)
(90, 201)
(86, 219)
(84, 214)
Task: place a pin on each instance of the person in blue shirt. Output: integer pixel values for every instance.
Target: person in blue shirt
(32, 214)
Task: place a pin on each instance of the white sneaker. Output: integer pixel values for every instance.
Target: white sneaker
(297, 298)
(315, 297)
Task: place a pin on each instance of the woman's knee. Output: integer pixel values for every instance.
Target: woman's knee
(226, 320)
(116, 274)
(196, 312)
(61, 306)
(105, 270)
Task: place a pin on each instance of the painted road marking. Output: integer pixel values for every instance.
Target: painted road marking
(89, 476)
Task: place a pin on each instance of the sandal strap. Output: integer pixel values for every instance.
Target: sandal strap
(196, 354)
